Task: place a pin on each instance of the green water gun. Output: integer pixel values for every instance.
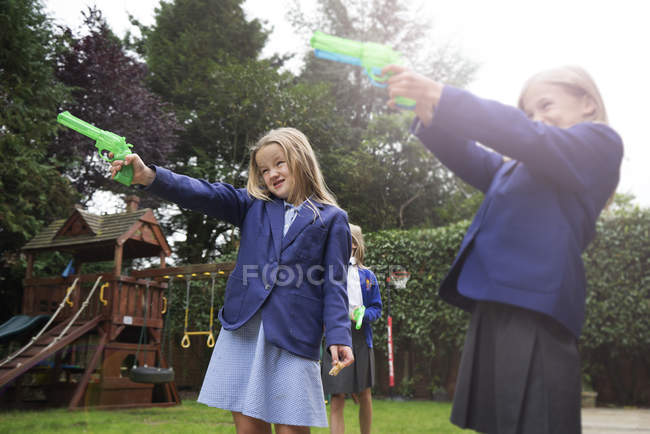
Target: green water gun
(105, 142)
(368, 55)
(358, 316)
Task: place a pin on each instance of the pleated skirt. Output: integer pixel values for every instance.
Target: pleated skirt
(355, 378)
(247, 374)
(519, 373)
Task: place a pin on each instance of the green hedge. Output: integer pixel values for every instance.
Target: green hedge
(427, 332)
(615, 343)
(417, 311)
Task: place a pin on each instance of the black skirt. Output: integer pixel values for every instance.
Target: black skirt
(355, 378)
(519, 373)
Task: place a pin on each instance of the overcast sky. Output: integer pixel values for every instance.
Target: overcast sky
(511, 40)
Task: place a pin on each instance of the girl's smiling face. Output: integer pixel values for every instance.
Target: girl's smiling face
(555, 105)
(274, 168)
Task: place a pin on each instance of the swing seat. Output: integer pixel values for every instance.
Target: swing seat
(151, 374)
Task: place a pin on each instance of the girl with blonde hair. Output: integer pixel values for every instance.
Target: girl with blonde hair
(364, 297)
(552, 166)
(288, 285)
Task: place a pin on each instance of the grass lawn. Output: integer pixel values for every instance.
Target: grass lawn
(191, 417)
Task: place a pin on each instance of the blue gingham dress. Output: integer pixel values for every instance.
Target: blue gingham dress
(249, 375)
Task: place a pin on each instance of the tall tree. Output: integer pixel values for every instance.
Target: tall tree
(189, 38)
(397, 182)
(203, 59)
(109, 92)
(398, 24)
(32, 192)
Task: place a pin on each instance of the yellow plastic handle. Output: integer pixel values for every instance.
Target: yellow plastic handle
(164, 309)
(210, 342)
(101, 294)
(67, 296)
(185, 343)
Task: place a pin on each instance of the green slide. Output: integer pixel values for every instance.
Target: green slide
(20, 324)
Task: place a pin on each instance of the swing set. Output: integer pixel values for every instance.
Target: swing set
(190, 273)
(185, 342)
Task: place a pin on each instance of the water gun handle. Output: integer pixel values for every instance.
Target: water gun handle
(125, 175)
(378, 80)
(358, 316)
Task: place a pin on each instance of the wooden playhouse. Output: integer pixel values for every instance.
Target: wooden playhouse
(83, 356)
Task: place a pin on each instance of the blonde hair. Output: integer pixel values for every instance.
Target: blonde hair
(308, 179)
(357, 238)
(576, 81)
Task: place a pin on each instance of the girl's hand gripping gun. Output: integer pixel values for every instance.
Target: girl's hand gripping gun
(358, 316)
(369, 55)
(106, 143)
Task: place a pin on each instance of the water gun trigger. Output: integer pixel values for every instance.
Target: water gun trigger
(376, 77)
(104, 154)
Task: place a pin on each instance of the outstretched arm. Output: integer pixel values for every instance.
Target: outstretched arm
(219, 200)
(474, 164)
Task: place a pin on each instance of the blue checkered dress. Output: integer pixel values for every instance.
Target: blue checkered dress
(249, 375)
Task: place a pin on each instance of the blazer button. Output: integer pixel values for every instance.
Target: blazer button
(267, 287)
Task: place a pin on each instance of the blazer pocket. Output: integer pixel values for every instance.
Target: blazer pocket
(310, 245)
(307, 321)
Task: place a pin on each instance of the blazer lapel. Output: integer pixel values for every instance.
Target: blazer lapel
(508, 166)
(275, 211)
(304, 218)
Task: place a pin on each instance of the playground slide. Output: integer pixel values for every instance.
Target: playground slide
(20, 324)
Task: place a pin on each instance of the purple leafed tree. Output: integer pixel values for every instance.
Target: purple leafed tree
(108, 92)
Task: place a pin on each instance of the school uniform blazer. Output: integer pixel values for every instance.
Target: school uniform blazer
(371, 300)
(297, 280)
(525, 243)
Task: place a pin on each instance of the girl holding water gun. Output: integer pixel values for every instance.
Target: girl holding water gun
(288, 285)
(552, 166)
(365, 308)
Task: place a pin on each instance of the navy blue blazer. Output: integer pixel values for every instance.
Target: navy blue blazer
(297, 280)
(539, 213)
(371, 300)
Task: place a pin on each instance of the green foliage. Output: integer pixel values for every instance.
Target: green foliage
(32, 192)
(392, 181)
(192, 417)
(383, 176)
(397, 24)
(202, 57)
(421, 319)
(107, 91)
(616, 335)
(190, 38)
(406, 387)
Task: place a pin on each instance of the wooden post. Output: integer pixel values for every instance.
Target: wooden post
(162, 259)
(117, 270)
(90, 368)
(30, 266)
(77, 264)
